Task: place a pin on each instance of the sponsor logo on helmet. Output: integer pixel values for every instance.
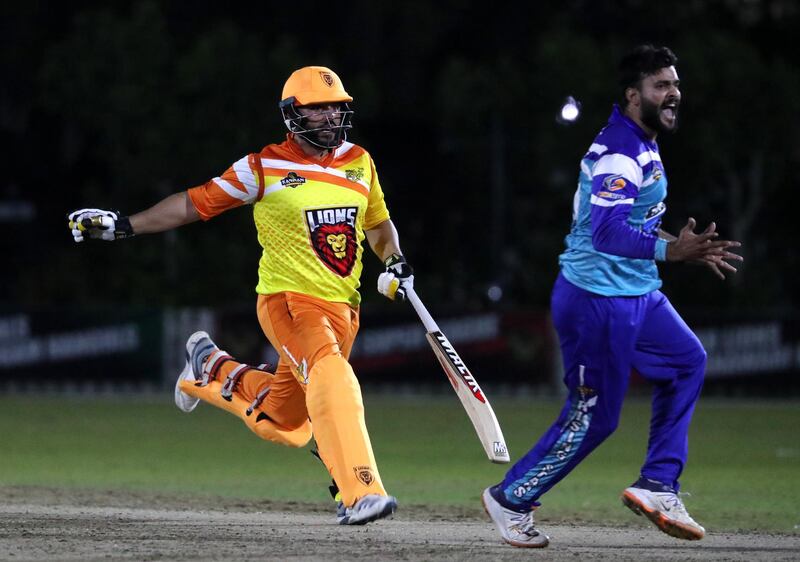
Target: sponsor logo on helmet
(327, 78)
(614, 183)
(292, 180)
(657, 174)
(333, 236)
(364, 474)
(355, 174)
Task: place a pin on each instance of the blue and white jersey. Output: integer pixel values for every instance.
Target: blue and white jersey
(613, 243)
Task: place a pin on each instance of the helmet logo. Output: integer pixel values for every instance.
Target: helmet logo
(327, 78)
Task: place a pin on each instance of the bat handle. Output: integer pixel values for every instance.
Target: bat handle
(90, 222)
(422, 312)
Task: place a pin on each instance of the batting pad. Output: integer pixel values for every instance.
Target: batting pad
(334, 403)
(265, 428)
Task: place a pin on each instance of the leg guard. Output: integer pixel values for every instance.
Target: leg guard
(334, 404)
(264, 427)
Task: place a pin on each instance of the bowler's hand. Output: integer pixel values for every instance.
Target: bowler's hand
(704, 249)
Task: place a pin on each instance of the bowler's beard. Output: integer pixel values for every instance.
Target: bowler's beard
(651, 116)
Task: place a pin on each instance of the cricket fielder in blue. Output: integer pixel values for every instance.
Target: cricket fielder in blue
(611, 317)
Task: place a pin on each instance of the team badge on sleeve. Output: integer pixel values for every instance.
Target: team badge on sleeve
(614, 183)
(333, 236)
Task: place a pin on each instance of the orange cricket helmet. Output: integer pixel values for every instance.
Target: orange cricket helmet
(314, 85)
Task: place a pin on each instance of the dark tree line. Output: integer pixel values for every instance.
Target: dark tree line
(119, 106)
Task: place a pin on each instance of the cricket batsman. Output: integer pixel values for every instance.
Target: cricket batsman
(611, 316)
(315, 198)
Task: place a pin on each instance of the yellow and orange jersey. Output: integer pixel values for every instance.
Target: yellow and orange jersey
(310, 215)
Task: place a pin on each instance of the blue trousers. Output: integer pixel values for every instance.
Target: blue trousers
(601, 339)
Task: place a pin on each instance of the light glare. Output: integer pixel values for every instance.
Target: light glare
(570, 111)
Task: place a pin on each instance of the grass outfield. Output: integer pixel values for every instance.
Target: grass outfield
(743, 472)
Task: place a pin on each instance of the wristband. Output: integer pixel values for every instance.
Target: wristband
(123, 228)
(394, 259)
(661, 250)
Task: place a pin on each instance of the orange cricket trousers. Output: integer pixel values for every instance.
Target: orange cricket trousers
(314, 381)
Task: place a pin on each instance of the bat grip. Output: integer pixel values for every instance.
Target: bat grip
(92, 222)
(422, 312)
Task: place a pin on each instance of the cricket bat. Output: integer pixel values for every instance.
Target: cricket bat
(467, 389)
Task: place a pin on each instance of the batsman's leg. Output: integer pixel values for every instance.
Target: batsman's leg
(215, 377)
(312, 334)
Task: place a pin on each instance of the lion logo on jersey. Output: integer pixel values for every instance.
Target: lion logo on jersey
(338, 243)
(333, 236)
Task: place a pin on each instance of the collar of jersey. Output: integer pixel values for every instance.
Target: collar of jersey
(618, 117)
(302, 157)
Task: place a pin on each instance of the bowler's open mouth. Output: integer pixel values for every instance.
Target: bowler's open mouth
(670, 110)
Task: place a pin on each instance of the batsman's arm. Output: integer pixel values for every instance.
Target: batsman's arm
(399, 276)
(99, 224)
(171, 212)
(384, 240)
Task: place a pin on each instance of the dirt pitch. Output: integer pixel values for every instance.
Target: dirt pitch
(54, 524)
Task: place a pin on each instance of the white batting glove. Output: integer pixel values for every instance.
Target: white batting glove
(398, 277)
(99, 225)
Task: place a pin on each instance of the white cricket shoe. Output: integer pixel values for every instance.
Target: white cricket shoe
(666, 510)
(369, 508)
(517, 529)
(198, 347)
